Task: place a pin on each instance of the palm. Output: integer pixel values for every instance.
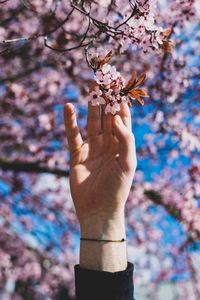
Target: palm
(100, 177)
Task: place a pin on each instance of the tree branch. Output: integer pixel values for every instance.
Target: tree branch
(3, 1)
(81, 44)
(31, 167)
(36, 167)
(156, 197)
(26, 72)
(102, 27)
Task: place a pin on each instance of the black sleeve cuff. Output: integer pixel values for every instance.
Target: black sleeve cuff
(101, 285)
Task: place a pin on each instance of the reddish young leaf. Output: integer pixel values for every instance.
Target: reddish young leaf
(140, 79)
(106, 59)
(166, 47)
(135, 95)
(142, 93)
(167, 32)
(131, 83)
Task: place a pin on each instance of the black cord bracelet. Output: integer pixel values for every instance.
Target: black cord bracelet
(102, 240)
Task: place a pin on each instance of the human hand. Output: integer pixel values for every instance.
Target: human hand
(101, 173)
(101, 168)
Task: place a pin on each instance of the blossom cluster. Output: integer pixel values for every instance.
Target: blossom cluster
(109, 82)
(142, 31)
(109, 88)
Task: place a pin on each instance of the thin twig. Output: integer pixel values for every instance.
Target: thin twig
(75, 47)
(130, 17)
(60, 24)
(80, 45)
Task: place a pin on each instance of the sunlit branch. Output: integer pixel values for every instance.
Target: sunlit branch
(60, 24)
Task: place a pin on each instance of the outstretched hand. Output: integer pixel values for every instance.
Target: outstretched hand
(102, 167)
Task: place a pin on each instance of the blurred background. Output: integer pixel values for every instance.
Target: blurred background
(43, 64)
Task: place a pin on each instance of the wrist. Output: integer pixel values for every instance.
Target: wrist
(104, 226)
(103, 256)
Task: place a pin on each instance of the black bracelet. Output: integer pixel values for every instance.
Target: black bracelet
(102, 240)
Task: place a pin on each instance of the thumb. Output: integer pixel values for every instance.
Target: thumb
(127, 153)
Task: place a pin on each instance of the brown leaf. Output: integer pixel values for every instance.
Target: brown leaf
(140, 79)
(135, 95)
(167, 47)
(142, 93)
(167, 32)
(131, 83)
(106, 59)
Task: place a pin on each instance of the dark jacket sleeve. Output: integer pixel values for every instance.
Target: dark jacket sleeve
(101, 285)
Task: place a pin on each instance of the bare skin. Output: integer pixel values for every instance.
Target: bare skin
(101, 174)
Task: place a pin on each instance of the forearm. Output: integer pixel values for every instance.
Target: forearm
(104, 256)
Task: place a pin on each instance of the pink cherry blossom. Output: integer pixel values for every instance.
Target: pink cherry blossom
(95, 97)
(102, 78)
(112, 107)
(108, 69)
